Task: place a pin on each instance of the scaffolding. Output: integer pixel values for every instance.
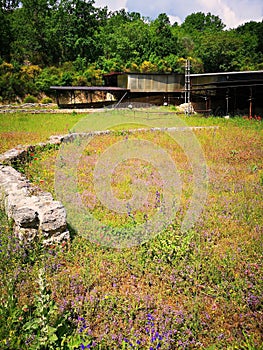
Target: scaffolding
(187, 87)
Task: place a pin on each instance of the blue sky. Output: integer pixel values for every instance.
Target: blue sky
(231, 12)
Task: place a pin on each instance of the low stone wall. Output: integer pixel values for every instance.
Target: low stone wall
(37, 108)
(35, 213)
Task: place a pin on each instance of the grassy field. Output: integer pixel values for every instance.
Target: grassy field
(200, 289)
(23, 128)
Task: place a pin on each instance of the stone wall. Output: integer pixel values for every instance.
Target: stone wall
(35, 213)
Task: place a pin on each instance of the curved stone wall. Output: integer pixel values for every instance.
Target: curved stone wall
(35, 213)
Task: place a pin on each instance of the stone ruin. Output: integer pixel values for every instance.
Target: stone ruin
(36, 215)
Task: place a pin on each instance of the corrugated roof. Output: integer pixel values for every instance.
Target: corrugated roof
(88, 88)
(226, 73)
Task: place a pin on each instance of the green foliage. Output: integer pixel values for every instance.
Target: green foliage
(200, 22)
(48, 77)
(148, 67)
(225, 51)
(66, 79)
(29, 324)
(46, 100)
(46, 327)
(30, 99)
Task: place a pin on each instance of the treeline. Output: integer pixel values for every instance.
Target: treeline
(72, 42)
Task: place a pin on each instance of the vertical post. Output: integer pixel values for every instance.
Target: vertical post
(187, 88)
(207, 105)
(71, 99)
(227, 101)
(250, 103)
(57, 97)
(235, 100)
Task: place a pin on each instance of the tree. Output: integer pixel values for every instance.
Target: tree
(30, 28)
(162, 41)
(77, 22)
(256, 30)
(202, 22)
(225, 51)
(6, 10)
(124, 40)
(51, 32)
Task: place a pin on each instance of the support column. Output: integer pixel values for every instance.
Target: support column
(57, 97)
(227, 102)
(250, 102)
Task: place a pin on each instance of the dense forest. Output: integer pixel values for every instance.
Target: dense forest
(72, 42)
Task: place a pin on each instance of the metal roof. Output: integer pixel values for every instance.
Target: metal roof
(192, 75)
(227, 73)
(88, 88)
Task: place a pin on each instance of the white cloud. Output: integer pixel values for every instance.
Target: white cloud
(221, 9)
(231, 12)
(113, 5)
(174, 19)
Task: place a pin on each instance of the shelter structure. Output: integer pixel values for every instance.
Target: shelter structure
(226, 93)
(219, 93)
(150, 88)
(87, 96)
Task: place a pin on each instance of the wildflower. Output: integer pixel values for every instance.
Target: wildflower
(82, 346)
(150, 317)
(157, 199)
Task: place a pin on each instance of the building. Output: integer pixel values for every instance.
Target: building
(210, 93)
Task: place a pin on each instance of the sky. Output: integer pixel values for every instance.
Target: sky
(232, 12)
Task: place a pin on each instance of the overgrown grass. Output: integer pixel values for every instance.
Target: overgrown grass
(197, 290)
(23, 128)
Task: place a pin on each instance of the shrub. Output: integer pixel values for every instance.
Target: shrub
(148, 67)
(80, 81)
(48, 77)
(46, 100)
(30, 99)
(6, 67)
(66, 79)
(30, 72)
